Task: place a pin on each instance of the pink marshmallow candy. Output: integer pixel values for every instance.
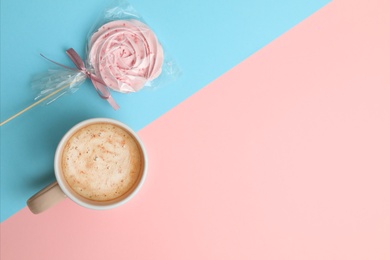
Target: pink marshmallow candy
(125, 54)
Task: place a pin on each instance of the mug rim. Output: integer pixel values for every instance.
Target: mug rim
(57, 163)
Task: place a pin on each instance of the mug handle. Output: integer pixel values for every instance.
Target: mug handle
(45, 198)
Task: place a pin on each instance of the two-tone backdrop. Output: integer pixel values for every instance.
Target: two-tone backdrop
(272, 144)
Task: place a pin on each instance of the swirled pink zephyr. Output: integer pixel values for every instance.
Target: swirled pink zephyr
(125, 54)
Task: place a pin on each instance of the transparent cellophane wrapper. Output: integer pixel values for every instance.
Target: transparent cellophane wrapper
(122, 50)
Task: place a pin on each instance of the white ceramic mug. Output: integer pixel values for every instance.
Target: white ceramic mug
(60, 189)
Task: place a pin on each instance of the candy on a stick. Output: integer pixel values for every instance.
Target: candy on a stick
(125, 55)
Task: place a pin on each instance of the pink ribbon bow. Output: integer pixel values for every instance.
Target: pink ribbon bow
(99, 85)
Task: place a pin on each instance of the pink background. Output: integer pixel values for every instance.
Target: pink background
(286, 156)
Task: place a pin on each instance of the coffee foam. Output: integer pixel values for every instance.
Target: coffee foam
(101, 161)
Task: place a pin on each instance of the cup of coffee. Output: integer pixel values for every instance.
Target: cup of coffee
(100, 164)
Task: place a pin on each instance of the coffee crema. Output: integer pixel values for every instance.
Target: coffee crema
(101, 161)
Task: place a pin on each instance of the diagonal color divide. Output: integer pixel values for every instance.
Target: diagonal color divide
(207, 38)
(294, 167)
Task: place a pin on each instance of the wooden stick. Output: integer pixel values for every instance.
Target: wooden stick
(33, 105)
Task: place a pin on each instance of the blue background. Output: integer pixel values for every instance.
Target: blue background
(206, 38)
